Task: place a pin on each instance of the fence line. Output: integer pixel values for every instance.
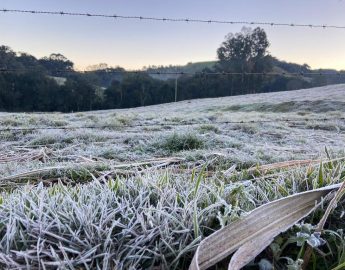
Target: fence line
(296, 120)
(167, 19)
(181, 73)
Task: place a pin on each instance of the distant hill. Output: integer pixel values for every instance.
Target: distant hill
(199, 66)
(188, 68)
(279, 66)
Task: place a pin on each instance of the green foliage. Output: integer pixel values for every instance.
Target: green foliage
(180, 142)
(245, 51)
(46, 139)
(209, 128)
(56, 63)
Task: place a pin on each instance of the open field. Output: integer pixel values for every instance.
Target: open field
(142, 187)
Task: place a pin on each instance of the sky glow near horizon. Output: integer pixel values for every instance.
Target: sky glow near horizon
(133, 44)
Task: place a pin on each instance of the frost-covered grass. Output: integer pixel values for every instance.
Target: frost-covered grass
(251, 143)
(156, 215)
(179, 142)
(155, 219)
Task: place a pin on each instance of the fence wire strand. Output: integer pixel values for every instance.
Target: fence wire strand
(167, 19)
(174, 124)
(181, 73)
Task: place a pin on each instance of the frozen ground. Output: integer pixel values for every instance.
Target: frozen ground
(142, 133)
(81, 206)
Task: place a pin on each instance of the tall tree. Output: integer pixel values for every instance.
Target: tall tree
(7, 57)
(245, 51)
(56, 63)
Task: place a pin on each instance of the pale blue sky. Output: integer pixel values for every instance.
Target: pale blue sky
(133, 44)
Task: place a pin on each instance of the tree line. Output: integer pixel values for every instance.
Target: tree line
(52, 84)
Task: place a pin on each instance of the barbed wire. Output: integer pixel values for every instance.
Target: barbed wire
(167, 19)
(181, 73)
(296, 120)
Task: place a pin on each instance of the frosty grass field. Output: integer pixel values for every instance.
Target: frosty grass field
(144, 191)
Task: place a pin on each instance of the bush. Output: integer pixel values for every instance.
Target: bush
(180, 142)
(209, 128)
